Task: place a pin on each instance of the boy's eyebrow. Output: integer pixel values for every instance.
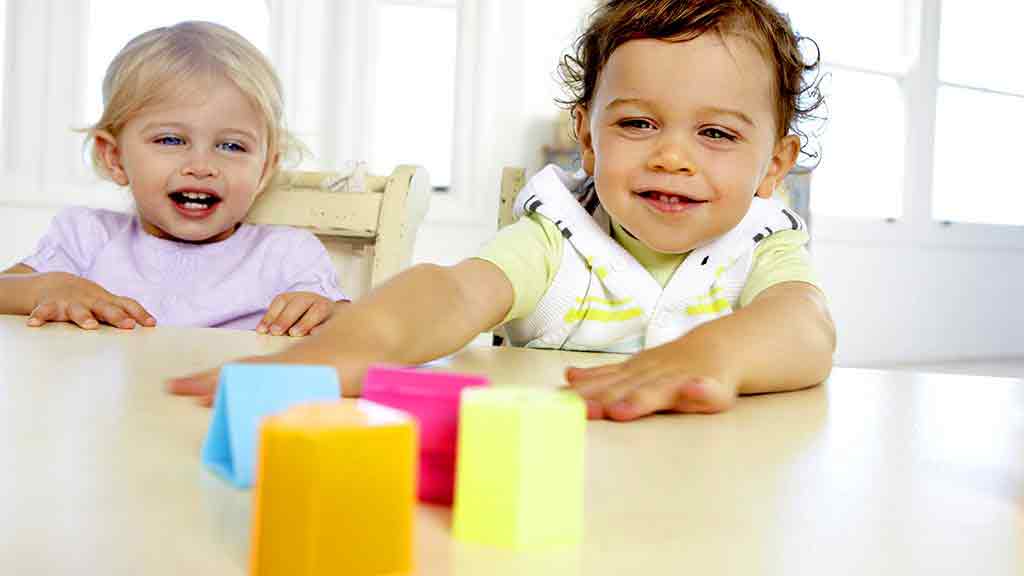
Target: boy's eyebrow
(709, 110)
(714, 110)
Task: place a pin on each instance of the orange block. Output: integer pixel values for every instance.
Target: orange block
(335, 491)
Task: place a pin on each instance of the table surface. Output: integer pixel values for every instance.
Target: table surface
(873, 473)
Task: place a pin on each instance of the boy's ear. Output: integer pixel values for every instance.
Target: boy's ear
(110, 155)
(581, 119)
(783, 158)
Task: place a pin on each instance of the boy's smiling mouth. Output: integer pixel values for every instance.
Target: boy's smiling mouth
(195, 202)
(671, 202)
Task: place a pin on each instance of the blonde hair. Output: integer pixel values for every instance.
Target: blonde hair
(148, 69)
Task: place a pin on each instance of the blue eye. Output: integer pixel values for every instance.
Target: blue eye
(169, 141)
(716, 134)
(231, 147)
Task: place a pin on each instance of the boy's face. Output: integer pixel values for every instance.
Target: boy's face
(194, 164)
(680, 136)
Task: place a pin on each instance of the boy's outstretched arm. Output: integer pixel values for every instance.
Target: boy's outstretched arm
(782, 340)
(423, 313)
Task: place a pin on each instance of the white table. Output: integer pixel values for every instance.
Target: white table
(873, 473)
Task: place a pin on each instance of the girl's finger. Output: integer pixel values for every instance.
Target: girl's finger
(289, 316)
(273, 311)
(313, 317)
(113, 314)
(81, 316)
(43, 313)
(136, 311)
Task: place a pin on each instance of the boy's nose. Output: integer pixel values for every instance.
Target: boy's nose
(672, 157)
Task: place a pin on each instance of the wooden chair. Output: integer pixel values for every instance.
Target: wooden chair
(368, 224)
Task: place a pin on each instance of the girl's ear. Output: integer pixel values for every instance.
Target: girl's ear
(783, 159)
(581, 119)
(110, 155)
(269, 172)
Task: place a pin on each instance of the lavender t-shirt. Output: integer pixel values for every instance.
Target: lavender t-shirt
(226, 284)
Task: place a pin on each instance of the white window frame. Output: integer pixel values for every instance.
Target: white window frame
(919, 79)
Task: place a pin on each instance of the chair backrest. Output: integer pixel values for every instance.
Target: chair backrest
(795, 192)
(513, 178)
(367, 222)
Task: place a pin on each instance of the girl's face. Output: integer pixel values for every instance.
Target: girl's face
(680, 136)
(194, 164)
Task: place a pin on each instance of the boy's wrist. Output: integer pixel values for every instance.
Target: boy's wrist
(715, 352)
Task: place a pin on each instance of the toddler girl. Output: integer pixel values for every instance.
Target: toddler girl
(192, 125)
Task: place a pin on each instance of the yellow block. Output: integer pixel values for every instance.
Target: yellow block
(335, 492)
(519, 469)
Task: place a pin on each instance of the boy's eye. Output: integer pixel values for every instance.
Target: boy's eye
(636, 124)
(169, 141)
(717, 134)
(231, 147)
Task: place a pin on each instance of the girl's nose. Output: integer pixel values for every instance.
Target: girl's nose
(199, 166)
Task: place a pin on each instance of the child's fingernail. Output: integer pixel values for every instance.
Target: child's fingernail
(276, 330)
(294, 331)
(262, 328)
(89, 324)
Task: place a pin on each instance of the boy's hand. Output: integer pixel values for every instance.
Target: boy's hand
(65, 297)
(295, 314)
(666, 378)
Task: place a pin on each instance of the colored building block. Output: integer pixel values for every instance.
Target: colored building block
(336, 492)
(433, 399)
(519, 480)
(247, 393)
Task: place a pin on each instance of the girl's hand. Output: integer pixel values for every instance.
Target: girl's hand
(667, 378)
(65, 297)
(295, 314)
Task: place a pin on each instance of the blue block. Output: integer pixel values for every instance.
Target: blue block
(247, 393)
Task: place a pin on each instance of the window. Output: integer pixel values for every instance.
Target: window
(924, 106)
(112, 23)
(415, 56)
(979, 114)
(861, 173)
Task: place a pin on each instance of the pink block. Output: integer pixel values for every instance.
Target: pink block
(433, 399)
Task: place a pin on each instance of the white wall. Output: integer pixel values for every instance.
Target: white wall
(905, 304)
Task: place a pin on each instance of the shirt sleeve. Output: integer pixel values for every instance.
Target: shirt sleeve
(781, 257)
(307, 267)
(75, 237)
(529, 252)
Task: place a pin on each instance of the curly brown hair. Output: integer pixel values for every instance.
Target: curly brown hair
(616, 22)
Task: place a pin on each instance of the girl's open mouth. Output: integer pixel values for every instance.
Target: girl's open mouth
(194, 204)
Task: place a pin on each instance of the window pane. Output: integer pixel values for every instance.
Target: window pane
(976, 177)
(861, 170)
(414, 105)
(112, 23)
(980, 44)
(867, 34)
